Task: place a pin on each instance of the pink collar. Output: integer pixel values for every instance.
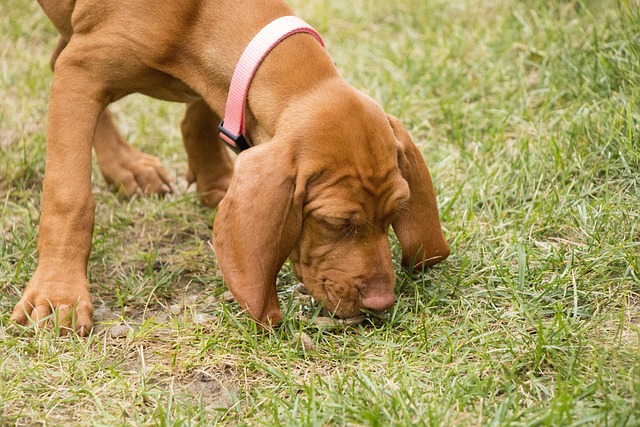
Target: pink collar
(232, 128)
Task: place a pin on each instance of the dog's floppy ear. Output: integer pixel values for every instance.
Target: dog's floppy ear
(257, 224)
(417, 225)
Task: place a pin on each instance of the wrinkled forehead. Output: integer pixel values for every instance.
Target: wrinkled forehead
(359, 191)
(350, 155)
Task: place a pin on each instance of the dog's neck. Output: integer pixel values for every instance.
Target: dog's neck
(292, 71)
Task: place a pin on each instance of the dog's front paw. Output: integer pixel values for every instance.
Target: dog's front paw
(136, 172)
(56, 304)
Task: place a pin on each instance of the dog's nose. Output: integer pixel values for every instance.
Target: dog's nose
(379, 302)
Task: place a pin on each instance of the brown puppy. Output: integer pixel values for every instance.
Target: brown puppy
(329, 173)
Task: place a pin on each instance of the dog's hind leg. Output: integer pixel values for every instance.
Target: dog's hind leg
(210, 164)
(123, 167)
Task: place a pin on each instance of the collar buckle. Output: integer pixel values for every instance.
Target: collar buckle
(237, 143)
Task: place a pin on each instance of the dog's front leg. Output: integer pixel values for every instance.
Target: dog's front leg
(59, 285)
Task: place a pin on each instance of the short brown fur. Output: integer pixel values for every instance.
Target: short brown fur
(329, 173)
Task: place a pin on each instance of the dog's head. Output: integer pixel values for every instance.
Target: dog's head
(324, 192)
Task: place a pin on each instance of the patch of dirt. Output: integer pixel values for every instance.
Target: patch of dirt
(101, 315)
(217, 386)
(186, 294)
(215, 383)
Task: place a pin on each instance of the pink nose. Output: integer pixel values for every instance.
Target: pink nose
(379, 302)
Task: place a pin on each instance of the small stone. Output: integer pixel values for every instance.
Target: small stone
(325, 322)
(210, 300)
(202, 318)
(356, 320)
(301, 294)
(191, 299)
(303, 341)
(301, 289)
(161, 317)
(175, 309)
(228, 297)
(103, 313)
(119, 331)
(332, 322)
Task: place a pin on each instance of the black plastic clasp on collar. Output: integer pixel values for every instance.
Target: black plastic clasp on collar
(241, 143)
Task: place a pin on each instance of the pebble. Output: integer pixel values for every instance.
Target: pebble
(227, 297)
(162, 317)
(202, 318)
(330, 322)
(301, 289)
(301, 294)
(191, 299)
(119, 331)
(304, 341)
(175, 309)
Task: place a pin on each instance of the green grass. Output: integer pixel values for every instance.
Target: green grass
(528, 115)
